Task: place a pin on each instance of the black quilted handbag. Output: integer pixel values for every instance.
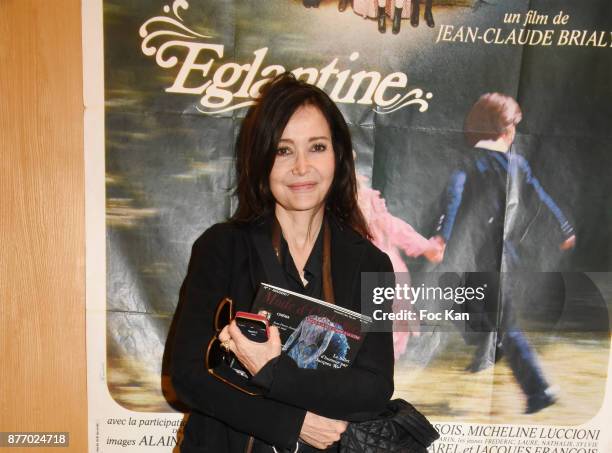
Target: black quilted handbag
(399, 429)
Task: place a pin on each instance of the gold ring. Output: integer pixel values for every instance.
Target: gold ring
(226, 345)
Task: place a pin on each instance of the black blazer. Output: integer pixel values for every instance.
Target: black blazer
(224, 262)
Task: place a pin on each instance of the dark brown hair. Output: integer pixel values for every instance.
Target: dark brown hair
(490, 117)
(258, 139)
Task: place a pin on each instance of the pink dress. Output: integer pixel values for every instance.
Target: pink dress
(369, 8)
(393, 236)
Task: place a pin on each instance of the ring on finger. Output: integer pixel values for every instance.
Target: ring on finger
(226, 345)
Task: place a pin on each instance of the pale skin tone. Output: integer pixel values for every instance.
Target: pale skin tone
(300, 179)
(436, 255)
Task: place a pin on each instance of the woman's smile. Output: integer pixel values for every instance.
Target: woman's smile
(306, 186)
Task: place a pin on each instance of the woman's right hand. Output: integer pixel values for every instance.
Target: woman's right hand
(321, 432)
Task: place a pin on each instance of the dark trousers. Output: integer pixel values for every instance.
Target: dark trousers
(496, 317)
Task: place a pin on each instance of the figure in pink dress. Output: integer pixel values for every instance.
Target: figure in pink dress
(380, 9)
(393, 236)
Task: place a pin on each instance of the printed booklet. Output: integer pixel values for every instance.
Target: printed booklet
(313, 332)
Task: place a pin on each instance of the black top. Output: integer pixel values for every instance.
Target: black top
(312, 269)
(226, 261)
(313, 273)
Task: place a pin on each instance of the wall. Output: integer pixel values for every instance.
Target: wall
(42, 275)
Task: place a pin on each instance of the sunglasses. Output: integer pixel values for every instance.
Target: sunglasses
(219, 361)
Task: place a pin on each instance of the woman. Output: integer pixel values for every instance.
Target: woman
(295, 179)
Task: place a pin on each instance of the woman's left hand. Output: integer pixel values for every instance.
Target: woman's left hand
(252, 355)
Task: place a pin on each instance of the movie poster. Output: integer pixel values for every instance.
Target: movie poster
(525, 213)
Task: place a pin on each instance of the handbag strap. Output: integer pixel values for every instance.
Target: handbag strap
(328, 286)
